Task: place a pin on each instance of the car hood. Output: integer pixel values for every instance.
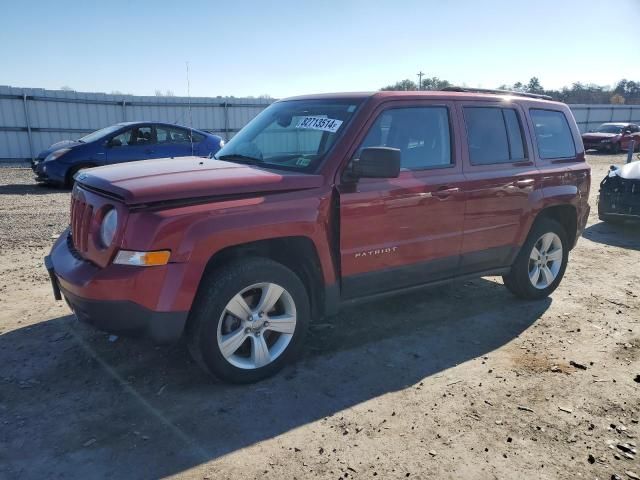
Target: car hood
(57, 146)
(598, 136)
(185, 178)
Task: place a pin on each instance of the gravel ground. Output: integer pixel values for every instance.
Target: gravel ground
(460, 381)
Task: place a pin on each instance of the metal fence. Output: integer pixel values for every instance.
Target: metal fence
(590, 116)
(32, 119)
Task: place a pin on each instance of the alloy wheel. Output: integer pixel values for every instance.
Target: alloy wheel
(545, 260)
(256, 326)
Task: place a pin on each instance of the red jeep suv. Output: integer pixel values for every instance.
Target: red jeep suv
(319, 201)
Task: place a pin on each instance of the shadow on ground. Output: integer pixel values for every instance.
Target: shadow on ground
(624, 235)
(28, 189)
(73, 404)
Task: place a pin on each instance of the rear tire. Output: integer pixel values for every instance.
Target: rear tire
(248, 321)
(541, 262)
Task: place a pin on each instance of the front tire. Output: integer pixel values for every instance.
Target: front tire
(541, 263)
(70, 180)
(248, 321)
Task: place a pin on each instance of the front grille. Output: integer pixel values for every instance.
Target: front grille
(81, 217)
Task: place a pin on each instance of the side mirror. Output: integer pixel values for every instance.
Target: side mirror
(376, 162)
(627, 132)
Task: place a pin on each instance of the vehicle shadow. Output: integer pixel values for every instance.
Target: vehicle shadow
(624, 235)
(29, 189)
(74, 404)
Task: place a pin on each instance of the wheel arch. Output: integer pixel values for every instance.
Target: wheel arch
(72, 170)
(566, 215)
(298, 253)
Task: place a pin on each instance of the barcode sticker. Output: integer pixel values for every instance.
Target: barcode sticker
(319, 123)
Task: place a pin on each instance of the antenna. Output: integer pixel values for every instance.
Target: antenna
(420, 75)
(189, 105)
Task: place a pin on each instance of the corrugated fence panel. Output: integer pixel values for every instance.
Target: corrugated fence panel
(31, 119)
(590, 116)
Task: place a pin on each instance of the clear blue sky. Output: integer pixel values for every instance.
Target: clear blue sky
(291, 47)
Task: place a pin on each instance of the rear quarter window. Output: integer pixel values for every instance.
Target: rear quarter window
(553, 135)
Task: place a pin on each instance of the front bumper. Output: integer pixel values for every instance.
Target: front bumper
(50, 172)
(619, 199)
(106, 298)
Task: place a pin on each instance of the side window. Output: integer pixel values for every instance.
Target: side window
(421, 133)
(552, 134)
(514, 131)
(141, 136)
(163, 135)
(123, 139)
(176, 135)
(634, 128)
(494, 135)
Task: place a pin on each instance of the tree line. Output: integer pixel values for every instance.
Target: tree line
(624, 92)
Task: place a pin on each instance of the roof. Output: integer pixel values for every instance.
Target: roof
(417, 94)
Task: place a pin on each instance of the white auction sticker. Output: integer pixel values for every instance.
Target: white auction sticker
(320, 123)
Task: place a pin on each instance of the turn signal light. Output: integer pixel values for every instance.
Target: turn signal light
(142, 259)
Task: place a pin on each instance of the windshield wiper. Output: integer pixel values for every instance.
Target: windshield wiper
(236, 157)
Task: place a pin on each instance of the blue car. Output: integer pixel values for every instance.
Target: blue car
(123, 142)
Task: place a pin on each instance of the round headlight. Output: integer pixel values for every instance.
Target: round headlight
(108, 227)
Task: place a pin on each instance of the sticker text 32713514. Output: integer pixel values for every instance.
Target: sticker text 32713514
(319, 123)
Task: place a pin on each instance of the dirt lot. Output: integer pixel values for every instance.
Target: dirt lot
(461, 381)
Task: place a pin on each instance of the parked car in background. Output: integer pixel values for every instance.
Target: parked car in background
(612, 137)
(123, 142)
(320, 201)
(619, 199)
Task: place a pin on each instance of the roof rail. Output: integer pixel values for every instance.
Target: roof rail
(496, 91)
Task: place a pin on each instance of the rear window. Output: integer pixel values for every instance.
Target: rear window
(552, 134)
(494, 135)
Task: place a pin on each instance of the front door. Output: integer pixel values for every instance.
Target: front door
(404, 231)
(136, 143)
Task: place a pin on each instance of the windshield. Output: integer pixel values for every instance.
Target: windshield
(608, 128)
(98, 134)
(292, 135)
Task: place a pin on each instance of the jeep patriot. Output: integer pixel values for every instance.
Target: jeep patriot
(319, 201)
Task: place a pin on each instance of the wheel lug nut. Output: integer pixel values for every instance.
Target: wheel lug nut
(247, 330)
(266, 324)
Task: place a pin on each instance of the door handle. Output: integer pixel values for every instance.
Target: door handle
(525, 182)
(444, 192)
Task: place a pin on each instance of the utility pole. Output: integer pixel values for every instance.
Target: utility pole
(420, 74)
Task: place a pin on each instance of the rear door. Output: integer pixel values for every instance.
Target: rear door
(404, 231)
(501, 180)
(175, 142)
(136, 143)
